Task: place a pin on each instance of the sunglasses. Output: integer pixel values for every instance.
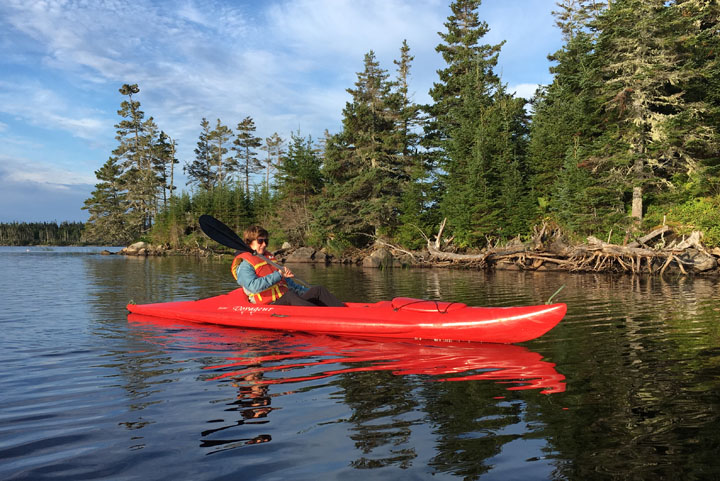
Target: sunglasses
(262, 240)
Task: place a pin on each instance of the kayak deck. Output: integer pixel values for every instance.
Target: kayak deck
(401, 318)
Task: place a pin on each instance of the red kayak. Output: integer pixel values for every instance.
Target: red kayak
(401, 318)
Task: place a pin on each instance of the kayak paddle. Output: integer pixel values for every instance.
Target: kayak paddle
(224, 235)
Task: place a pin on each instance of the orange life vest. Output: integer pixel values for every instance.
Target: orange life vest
(262, 268)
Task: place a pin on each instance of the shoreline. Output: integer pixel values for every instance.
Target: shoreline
(658, 253)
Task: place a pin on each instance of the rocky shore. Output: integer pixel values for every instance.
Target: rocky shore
(657, 253)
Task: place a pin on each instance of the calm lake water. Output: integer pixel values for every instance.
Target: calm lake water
(626, 387)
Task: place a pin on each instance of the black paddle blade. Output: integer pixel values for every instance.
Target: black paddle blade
(222, 234)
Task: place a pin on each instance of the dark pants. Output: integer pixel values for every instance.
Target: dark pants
(315, 296)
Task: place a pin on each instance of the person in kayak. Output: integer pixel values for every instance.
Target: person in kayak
(265, 284)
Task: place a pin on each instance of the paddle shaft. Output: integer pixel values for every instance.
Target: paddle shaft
(280, 268)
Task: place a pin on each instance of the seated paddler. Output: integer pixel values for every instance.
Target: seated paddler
(266, 284)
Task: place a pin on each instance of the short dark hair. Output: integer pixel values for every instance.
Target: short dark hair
(253, 232)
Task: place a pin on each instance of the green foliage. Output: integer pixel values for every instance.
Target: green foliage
(199, 171)
(135, 154)
(482, 133)
(701, 214)
(164, 162)
(299, 183)
(108, 206)
(245, 146)
(125, 201)
(631, 113)
(177, 225)
(212, 166)
(368, 164)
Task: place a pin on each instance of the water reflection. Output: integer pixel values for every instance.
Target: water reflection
(373, 376)
(294, 354)
(253, 404)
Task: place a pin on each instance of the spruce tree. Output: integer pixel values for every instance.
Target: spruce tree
(274, 147)
(135, 154)
(414, 204)
(200, 171)
(642, 67)
(222, 166)
(361, 163)
(164, 164)
(108, 206)
(299, 183)
(566, 118)
(245, 145)
(509, 151)
(697, 129)
(478, 134)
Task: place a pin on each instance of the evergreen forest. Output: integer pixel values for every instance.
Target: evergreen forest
(41, 233)
(625, 138)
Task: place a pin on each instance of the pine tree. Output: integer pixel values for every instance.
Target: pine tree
(361, 162)
(299, 170)
(200, 171)
(574, 17)
(415, 186)
(108, 205)
(165, 161)
(406, 112)
(222, 166)
(245, 145)
(643, 94)
(135, 154)
(697, 130)
(510, 153)
(478, 134)
(275, 151)
(566, 118)
(299, 185)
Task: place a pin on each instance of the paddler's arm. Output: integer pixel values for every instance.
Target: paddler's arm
(248, 278)
(295, 287)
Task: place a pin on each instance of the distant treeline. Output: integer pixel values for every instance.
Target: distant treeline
(41, 233)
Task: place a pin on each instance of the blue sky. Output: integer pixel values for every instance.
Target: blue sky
(285, 63)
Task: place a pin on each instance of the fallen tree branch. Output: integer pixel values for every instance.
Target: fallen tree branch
(652, 235)
(391, 246)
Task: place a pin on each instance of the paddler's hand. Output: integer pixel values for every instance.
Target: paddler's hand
(287, 273)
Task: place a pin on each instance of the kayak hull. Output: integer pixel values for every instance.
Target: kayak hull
(401, 318)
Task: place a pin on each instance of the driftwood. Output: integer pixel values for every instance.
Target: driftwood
(547, 250)
(651, 236)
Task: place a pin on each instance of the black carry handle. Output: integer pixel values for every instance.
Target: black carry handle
(224, 235)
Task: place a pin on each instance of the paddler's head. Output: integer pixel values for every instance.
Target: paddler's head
(256, 238)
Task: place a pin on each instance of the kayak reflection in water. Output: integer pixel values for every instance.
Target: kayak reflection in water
(266, 284)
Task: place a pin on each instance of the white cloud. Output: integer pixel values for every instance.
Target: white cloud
(42, 107)
(52, 177)
(526, 91)
(347, 27)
